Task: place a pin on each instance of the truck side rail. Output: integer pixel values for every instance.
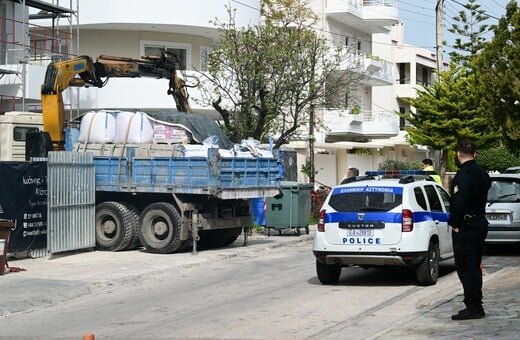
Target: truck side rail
(222, 177)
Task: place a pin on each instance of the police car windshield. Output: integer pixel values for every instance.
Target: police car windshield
(365, 199)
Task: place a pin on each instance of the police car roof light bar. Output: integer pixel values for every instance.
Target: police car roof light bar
(394, 172)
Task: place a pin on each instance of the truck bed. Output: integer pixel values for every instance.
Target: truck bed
(235, 177)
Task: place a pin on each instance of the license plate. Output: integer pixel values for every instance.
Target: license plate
(497, 217)
(360, 232)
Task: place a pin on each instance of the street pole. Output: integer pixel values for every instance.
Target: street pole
(439, 14)
(438, 10)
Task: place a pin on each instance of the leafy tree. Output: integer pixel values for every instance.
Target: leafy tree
(268, 79)
(446, 112)
(497, 159)
(497, 70)
(470, 33)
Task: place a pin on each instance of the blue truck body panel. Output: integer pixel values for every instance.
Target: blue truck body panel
(223, 177)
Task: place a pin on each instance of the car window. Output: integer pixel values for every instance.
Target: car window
(353, 199)
(445, 198)
(419, 198)
(513, 170)
(504, 190)
(433, 198)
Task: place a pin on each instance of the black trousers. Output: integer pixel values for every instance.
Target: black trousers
(468, 246)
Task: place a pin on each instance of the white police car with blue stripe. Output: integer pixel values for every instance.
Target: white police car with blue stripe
(381, 221)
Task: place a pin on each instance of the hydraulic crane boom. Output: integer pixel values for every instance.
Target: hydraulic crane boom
(82, 71)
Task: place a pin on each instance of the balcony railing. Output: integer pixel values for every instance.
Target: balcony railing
(43, 44)
(380, 72)
(367, 124)
(370, 16)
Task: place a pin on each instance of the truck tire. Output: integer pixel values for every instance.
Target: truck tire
(327, 274)
(218, 238)
(160, 228)
(115, 226)
(428, 271)
(136, 242)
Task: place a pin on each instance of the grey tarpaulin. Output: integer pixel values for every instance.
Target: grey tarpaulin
(199, 125)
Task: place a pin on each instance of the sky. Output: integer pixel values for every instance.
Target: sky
(419, 19)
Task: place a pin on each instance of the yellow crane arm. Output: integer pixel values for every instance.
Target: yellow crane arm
(83, 72)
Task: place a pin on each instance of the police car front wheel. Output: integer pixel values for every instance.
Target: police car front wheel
(428, 271)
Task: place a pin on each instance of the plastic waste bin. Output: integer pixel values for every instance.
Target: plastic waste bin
(290, 209)
(5, 231)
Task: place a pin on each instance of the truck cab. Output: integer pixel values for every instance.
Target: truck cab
(14, 127)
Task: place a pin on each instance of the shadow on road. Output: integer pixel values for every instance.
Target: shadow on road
(502, 250)
(381, 277)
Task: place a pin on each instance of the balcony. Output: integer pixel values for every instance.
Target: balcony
(369, 16)
(359, 127)
(379, 72)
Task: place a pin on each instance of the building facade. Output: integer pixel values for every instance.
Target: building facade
(38, 32)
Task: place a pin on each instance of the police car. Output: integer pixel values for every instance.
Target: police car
(387, 218)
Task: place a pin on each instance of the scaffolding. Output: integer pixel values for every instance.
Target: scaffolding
(33, 32)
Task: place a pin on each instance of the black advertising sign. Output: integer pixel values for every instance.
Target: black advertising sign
(23, 197)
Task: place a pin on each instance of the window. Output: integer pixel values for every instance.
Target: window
(402, 73)
(182, 51)
(504, 190)
(433, 198)
(425, 77)
(20, 133)
(402, 122)
(419, 198)
(445, 198)
(365, 201)
(204, 55)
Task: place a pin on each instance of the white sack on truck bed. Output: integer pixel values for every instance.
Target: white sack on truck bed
(133, 128)
(98, 127)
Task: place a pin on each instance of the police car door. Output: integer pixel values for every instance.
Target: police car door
(440, 218)
(445, 198)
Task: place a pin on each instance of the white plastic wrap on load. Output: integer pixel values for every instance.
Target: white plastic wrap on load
(200, 150)
(133, 128)
(248, 148)
(98, 127)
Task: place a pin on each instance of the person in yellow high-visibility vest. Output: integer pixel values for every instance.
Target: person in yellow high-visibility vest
(428, 169)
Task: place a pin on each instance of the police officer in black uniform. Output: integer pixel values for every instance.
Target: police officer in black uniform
(469, 227)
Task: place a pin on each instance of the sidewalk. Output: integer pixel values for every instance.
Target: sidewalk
(501, 302)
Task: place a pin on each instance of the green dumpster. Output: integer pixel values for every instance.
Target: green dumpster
(291, 209)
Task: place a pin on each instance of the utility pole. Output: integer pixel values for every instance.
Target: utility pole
(438, 50)
(439, 11)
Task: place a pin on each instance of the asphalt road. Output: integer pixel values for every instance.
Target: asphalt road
(267, 290)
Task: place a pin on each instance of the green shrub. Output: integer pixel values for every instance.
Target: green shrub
(391, 164)
(497, 159)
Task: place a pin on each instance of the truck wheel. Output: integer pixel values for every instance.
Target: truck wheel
(327, 274)
(428, 271)
(160, 228)
(136, 242)
(115, 226)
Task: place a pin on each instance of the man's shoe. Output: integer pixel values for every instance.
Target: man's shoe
(468, 314)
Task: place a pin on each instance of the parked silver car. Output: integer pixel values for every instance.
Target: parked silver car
(503, 209)
(513, 170)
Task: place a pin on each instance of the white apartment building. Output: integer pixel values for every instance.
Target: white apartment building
(35, 32)
(372, 30)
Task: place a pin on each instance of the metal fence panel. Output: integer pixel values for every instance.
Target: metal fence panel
(71, 201)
